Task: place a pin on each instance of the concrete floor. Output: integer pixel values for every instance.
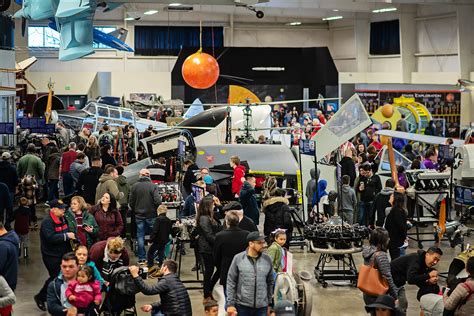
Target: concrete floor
(333, 300)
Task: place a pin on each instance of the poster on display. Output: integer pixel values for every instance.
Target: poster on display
(464, 195)
(443, 105)
(181, 148)
(307, 147)
(6, 129)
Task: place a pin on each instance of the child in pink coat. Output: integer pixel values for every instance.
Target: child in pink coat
(84, 292)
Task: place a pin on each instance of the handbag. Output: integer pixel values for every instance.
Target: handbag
(370, 281)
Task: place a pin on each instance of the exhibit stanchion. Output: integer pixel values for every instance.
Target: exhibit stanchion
(300, 180)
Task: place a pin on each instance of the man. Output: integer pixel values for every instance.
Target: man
(8, 174)
(348, 166)
(67, 159)
(311, 186)
(415, 268)
(368, 186)
(6, 206)
(189, 176)
(381, 202)
(106, 137)
(250, 280)
(77, 167)
(58, 305)
(30, 164)
(348, 200)
(238, 177)
(228, 243)
(88, 181)
(431, 160)
(144, 200)
(248, 199)
(174, 298)
(108, 184)
(9, 245)
(55, 242)
(245, 223)
(402, 124)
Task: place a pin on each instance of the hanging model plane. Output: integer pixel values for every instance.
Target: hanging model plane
(19, 70)
(465, 85)
(73, 20)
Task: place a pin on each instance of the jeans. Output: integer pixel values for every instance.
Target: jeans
(151, 254)
(53, 190)
(250, 311)
(53, 265)
(68, 184)
(144, 226)
(364, 212)
(210, 278)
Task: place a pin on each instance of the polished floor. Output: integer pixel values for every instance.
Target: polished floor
(333, 300)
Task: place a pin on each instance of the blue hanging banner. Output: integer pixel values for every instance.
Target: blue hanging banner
(6, 129)
(307, 147)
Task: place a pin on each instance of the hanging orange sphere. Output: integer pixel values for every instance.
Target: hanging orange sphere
(200, 70)
(387, 110)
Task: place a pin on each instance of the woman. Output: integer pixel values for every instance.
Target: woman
(7, 298)
(361, 149)
(277, 215)
(80, 222)
(396, 224)
(207, 227)
(461, 300)
(92, 148)
(109, 255)
(106, 156)
(108, 217)
(376, 254)
(84, 136)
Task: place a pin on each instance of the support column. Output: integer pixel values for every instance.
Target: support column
(407, 41)
(465, 28)
(361, 33)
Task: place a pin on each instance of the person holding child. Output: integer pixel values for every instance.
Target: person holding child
(84, 292)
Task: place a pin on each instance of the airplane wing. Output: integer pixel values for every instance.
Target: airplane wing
(9, 70)
(25, 64)
(113, 39)
(2, 88)
(420, 138)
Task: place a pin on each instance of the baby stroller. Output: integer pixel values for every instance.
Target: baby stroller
(120, 297)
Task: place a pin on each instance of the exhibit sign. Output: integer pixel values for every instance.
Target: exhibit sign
(307, 147)
(464, 195)
(181, 148)
(6, 129)
(37, 125)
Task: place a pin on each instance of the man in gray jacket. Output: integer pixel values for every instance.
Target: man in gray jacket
(250, 280)
(144, 200)
(348, 200)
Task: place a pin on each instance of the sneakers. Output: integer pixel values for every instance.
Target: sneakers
(39, 303)
(142, 262)
(195, 268)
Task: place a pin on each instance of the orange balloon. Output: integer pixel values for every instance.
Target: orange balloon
(200, 70)
(387, 110)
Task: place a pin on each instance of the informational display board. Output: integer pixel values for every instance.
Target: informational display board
(464, 195)
(6, 129)
(307, 147)
(37, 125)
(181, 148)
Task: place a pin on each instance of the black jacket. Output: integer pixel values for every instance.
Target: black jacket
(228, 243)
(54, 241)
(396, 225)
(381, 202)
(87, 183)
(5, 201)
(174, 296)
(248, 224)
(207, 234)
(108, 160)
(249, 202)
(9, 245)
(144, 198)
(277, 215)
(372, 187)
(189, 178)
(8, 175)
(410, 268)
(161, 230)
(348, 168)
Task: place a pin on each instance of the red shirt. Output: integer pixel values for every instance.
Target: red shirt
(67, 159)
(239, 173)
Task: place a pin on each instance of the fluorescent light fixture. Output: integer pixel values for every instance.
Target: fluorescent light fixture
(268, 68)
(151, 12)
(335, 10)
(384, 10)
(175, 4)
(294, 23)
(331, 18)
(129, 19)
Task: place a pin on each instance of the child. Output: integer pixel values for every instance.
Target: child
(22, 224)
(84, 291)
(211, 308)
(159, 236)
(276, 252)
(82, 255)
(348, 200)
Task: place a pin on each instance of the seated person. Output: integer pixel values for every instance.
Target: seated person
(461, 300)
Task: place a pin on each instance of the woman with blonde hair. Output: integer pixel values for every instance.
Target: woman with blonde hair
(109, 255)
(92, 148)
(81, 222)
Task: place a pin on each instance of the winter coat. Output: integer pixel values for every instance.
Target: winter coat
(372, 186)
(348, 168)
(459, 295)
(66, 160)
(381, 202)
(382, 263)
(228, 243)
(54, 297)
(189, 208)
(110, 223)
(85, 293)
(174, 297)
(52, 167)
(92, 152)
(107, 184)
(8, 175)
(97, 254)
(277, 215)
(30, 165)
(247, 224)
(250, 281)
(311, 186)
(87, 219)
(161, 230)
(76, 169)
(348, 198)
(189, 178)
(88, 182)
(22, 220)
(249, 202)
(275, 253)
(207, 234)
(54, 241)
(5, 201)
(410, 268)
(9, 245)
(144, 198)
(237, 184)
(108, 160)
(7, 297)
(28, 187)
(123, 187)
(396, 225)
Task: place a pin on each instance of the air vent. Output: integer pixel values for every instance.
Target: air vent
(180, 9)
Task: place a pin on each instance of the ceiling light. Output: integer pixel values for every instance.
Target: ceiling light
(294, 23)
(174, 4)
(129, 19)
(384, 10)
(268, 68)
(335, 10)
(151, 12)
(338, 17)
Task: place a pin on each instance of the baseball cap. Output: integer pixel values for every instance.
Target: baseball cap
(284, 308)
(6, 155)
(57, 203)
(255, 236)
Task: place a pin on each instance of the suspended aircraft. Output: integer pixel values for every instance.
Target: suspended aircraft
(19, 70)
(465, 85)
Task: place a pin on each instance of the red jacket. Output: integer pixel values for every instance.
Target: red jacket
(239, 173)
(67, 159)
(110, 223)
(85, 293)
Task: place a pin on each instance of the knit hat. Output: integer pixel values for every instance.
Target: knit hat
(208, 179)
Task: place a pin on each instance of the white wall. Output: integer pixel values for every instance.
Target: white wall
(124, 83)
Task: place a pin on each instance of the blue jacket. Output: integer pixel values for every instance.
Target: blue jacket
(249, 202)
(9, 245)
(189, 208)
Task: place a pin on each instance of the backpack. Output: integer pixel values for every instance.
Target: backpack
(123, 282)
(105, 139)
